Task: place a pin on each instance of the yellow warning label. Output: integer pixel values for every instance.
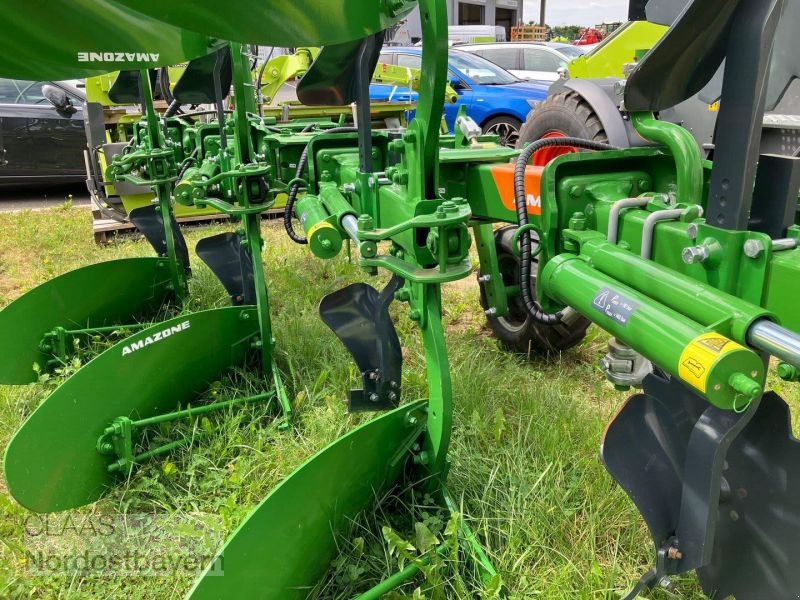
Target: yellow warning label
(713, 107)
(317, 226)
(699, 357)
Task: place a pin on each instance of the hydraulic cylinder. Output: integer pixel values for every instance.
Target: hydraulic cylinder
(324, 238)
(724, 372)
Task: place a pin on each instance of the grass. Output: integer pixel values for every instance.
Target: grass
(525, 466)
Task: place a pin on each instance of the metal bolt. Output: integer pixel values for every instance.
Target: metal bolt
(753, 248)
(484, 279)
(373, 397)
(674, 554)
(665, 582)
(490, 312)
(423, 458)
(391, 396)
(393, 385)
(692, 231)
(695, 254)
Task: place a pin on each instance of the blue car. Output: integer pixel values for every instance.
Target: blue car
(495, 99)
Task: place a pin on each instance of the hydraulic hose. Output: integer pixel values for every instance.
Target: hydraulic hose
(531, 305)
(301, 167)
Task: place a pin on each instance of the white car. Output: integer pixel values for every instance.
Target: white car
(540, 61)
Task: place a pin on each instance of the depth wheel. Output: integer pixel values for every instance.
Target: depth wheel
(560, 115)
(517, 331)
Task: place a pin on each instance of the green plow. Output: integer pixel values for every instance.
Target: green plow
(87, 433)
(691, 265)
(42, 326)
(284, 547)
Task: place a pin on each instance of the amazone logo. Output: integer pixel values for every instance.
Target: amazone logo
(118, 56)
(156, 337)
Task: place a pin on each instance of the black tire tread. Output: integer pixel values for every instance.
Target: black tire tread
(535, 338)
(567, 112)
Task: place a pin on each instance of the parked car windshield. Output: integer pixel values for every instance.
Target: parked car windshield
(481, 70)
(571, 51)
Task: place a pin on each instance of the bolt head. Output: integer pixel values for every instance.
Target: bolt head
(753, 248)
(694, 254)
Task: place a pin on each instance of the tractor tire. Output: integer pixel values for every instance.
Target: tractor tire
(517, 331)
(561, 115)
(506, 127)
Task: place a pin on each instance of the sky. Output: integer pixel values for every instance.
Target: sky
(578, 12)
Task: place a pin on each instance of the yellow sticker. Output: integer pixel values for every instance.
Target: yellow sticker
(713, 107)
(319, 225)
(699, 357)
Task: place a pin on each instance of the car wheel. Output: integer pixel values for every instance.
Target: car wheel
(560, 115)
(517, 331)
(507, 128)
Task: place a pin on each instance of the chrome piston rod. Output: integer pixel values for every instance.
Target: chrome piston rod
(775, 340)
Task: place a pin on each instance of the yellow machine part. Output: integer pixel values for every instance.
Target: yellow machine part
(618, 49)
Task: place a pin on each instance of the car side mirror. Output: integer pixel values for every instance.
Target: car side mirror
(456, 84)
(58, 98)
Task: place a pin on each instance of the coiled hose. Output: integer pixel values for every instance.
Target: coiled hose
(301, 167)
(531, 305)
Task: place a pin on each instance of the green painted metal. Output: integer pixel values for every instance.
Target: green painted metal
(235, 181)
(285, 545)
(117, 439)
(89, 37)
(162, 189)
(684, 149)
(658, 332)
(52, 464)
(100, 295)
(698, 301)
(285, 24)
(492, 279)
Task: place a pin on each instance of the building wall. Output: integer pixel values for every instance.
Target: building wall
(493, 12)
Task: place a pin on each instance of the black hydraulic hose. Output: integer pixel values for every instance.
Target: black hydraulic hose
(531, 305)
(288, 212)
(187, 162)
(173, 109)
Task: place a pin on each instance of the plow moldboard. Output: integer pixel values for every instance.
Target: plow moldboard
(286, 544)
(288, 24)
(51, 463)
(108, 293)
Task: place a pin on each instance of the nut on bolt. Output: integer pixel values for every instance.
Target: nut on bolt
(695, 254)
(674, 554)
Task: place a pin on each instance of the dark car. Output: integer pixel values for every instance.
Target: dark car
(495, 99)
(41, 144)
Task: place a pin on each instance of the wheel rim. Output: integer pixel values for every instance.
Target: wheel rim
(545, 155)
(506, 131)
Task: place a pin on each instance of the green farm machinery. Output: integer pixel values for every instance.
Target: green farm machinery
(691, 265)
